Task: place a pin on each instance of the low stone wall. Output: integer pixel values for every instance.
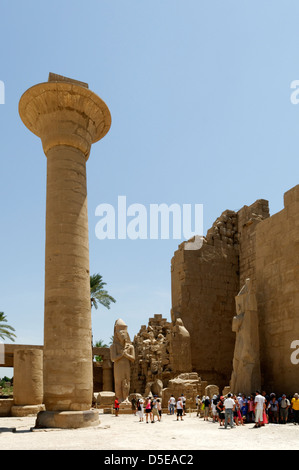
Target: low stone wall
(5, 406)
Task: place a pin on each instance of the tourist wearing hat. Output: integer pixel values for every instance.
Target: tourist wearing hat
(140, 404)
(198, 404)
(207, 403)
(273, 409)
(295, 407)
(154, 410)
(284, 409)
(214, 409)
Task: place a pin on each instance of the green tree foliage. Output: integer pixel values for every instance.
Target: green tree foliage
(6, 331)
(100, 344)
(99, 295)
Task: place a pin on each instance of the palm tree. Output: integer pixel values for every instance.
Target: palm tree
(98, 295)
(100, 344)
(6, 331)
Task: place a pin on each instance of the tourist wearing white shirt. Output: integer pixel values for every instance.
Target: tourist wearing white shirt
(171, 404)
(179, 409)
(259, 406)
(229, 407)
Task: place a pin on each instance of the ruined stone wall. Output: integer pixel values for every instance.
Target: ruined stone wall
(241, 245)
(204, 285)
(151, 370)
(248, 219)
(162, 351)
(277, 290)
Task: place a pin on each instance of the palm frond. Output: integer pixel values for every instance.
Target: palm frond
(98, 294)
(6, 331)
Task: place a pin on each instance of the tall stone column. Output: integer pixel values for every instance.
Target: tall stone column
(68, 118)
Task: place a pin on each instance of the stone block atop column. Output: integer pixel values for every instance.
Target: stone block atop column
(54, 77)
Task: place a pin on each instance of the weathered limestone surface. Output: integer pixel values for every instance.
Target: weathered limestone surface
(211, 390)
(28, 382)
(188, 384)
(163, 350)
(151, 369)
(248, 219)
(240, 245)
(277, 291)
(9, 350)
(6, 405)
(204, 284)
(67, 419)
(104, 399)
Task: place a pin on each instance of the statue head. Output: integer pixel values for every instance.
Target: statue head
(246, 299)
(121, 332)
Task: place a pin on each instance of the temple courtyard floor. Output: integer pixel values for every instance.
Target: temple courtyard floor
(126, 433)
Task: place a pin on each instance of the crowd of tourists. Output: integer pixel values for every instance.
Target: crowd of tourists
(231, 410)
(151, 408)
(259, 408)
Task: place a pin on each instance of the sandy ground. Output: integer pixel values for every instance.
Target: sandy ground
(127, 433)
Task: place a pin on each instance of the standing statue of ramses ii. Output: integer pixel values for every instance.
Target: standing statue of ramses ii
(122, 353)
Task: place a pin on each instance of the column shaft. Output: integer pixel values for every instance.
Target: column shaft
(68, 382)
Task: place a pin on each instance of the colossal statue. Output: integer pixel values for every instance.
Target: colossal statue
(246, 375)
(180, 347)
(122, 353)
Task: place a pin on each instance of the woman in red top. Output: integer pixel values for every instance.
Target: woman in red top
(148, 408)
(116, 406)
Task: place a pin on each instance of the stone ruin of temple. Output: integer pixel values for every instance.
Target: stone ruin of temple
(248, 260)
(234, 312)
(241, 245)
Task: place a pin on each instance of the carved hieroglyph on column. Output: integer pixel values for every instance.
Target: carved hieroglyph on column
(122, 354)
(68, 118)
(246, 375)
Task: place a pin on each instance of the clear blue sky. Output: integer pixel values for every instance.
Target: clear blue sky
(199, 93)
